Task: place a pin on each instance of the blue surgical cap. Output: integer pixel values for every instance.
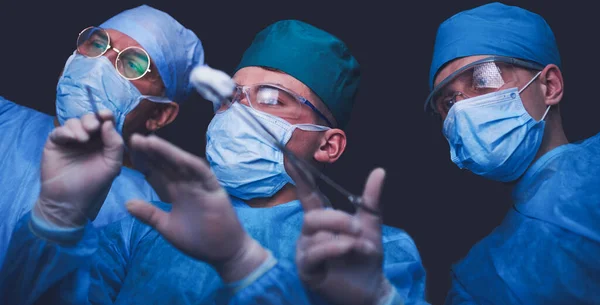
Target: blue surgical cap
(494, 29)
(174, 49)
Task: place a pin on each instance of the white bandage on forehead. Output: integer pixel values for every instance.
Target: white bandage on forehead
(487, 75)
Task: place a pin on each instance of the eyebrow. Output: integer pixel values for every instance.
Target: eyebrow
(281, 85)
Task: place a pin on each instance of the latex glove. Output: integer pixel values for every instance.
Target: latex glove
(338, 255)
(202, 222)
(79, 162)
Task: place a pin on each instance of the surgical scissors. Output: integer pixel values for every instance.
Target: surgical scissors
(93, 102)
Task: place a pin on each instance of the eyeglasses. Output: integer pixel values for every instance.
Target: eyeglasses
(305, 170)
(477, 78)
(275, 100)
(132, 62)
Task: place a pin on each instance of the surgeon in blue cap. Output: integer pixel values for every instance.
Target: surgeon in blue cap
(231, 232)
(496, 83)
(136, 65)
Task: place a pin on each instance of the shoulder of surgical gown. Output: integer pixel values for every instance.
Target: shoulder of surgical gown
(546, 250)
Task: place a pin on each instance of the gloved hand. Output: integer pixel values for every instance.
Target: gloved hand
(202, 222)
(79, 162)
(338, 255)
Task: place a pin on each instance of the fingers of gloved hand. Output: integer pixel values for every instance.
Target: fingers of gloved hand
(307, 241)
(157, 174)
(77, 128)
(314, 200)
(184, 163)
(311, 258)
(113, 142)
(146, 158)
(330, 220)
(140, 159)
(106, 115)
(150, 215)
(90, 123)
(162, 183)
(62, 135)
(371, 197)
(156, 165)
(366, 248)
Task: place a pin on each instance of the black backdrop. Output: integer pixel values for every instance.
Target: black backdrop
(444, 209)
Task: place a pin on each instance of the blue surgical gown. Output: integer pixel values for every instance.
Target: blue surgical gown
(23, 133)
(129, 263)
(547, 249)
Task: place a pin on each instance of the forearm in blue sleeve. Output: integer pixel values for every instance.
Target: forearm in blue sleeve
(40, 260)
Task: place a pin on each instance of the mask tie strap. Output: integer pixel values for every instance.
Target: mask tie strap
(527, 85)
(545, 113)
(531, 81)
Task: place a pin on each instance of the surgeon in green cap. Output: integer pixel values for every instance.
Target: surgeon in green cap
(239, 229)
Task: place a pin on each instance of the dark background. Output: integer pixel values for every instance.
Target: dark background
(444, 209)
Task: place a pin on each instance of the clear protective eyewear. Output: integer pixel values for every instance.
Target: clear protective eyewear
(477, 78)
(273, 99)
(132, 62)
(305, 170)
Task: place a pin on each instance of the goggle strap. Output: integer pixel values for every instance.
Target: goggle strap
(311, 127)
(157, 99)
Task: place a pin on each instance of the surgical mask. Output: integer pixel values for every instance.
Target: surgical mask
(493, 135)
(109, 89)
(247, 163)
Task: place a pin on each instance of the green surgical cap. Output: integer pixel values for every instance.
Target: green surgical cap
(316, 58)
